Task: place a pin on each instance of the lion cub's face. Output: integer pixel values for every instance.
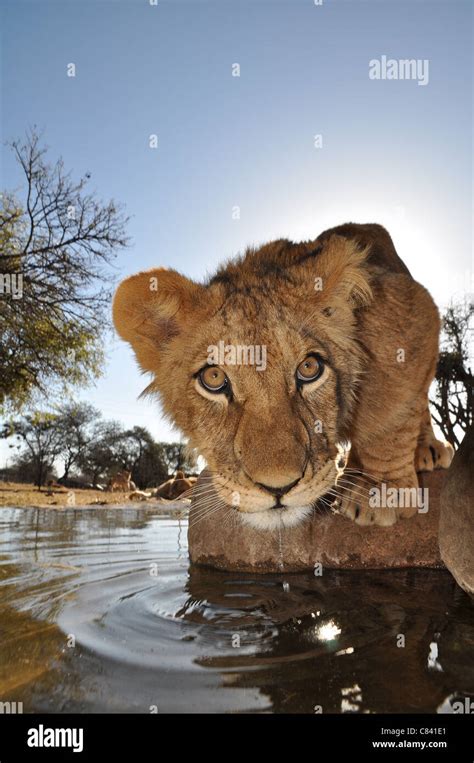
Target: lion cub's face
(258, 368)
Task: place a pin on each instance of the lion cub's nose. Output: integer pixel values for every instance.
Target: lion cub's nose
(279, 490)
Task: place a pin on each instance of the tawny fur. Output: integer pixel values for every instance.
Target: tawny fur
(175, 487)
(120, 482)
(346, 296)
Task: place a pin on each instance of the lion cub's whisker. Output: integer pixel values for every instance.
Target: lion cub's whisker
(353, 488)
(228, 517)
(359, 473)
(324, 501)
(204, 515)
(210, 502)
(350, 481)
(350, 492)
(205, 491)
(359, 489)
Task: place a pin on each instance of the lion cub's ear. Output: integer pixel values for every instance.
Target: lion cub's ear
(150, 308)
(343, 274)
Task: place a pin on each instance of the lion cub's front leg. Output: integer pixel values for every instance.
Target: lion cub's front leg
(391, 432)
(380, 484)
(431, 453)
(368, 501)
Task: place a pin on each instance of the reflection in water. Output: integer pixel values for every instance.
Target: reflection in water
(101, 612)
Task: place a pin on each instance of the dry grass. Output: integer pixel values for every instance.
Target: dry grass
(18, 494)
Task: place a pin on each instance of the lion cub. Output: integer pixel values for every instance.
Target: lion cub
(337, 413)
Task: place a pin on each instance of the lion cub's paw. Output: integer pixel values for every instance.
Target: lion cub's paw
(433, 455)
(355, 503)
(366, 503)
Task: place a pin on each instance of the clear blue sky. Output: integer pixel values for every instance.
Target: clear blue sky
(393, 152)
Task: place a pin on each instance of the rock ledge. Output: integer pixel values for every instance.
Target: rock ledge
(329, 539)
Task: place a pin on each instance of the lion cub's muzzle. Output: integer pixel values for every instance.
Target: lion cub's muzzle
(278, 492)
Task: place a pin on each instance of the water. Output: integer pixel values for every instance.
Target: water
(100, 611)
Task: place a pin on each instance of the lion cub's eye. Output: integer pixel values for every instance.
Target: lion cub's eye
(309, 369)
(213, 379)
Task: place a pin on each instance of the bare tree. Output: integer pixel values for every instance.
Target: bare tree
(40, 434)
(452, 403)
(56, 245)
(76, 429)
